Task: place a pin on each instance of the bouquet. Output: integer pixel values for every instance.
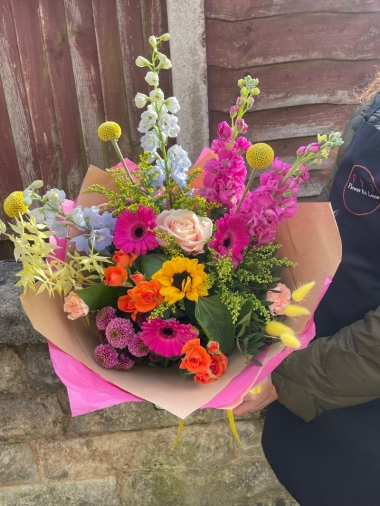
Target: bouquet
(164, 270)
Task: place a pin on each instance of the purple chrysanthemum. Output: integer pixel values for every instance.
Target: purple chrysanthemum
(105, 356)
(166, 337)
(231, 236)
(119, 332)
(132, 231)
(104, 316)
(124, 363)
(137, 347)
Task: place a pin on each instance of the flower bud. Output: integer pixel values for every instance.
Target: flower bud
(165, 37)
(156, 95)
(234, 110)
(152, 78)
(142, 62)
(241, 83)
(240, 101)
(141, 100)
(255, 91)
(152, 41)
(241, 126)
(36, 184)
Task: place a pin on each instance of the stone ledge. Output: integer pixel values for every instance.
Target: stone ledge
(97, 492)
(11, 372)
(17, 464)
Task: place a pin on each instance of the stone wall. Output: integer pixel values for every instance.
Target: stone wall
(117, 456)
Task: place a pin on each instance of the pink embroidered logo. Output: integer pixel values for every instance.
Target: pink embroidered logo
(361, 196)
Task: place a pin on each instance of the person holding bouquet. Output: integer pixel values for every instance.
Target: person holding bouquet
(321, 436)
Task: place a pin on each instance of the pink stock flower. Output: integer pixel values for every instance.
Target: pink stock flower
(302, 150)
(280, 298)
(218, 144)
(241, 126)
(314, 147)
(234, 110)
(224, 130)
(242, 144)
(231, 236)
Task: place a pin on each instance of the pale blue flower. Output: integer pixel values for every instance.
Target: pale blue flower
(108, 221)
(149, 142)
(92, 217)
(172, 104)
(168, 124)
(101, 239)
(81, 243)
(75, 216)
(60, 229)
(39, 214)
(55, 195)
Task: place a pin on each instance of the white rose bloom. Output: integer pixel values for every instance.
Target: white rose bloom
(152, 78)
(141, 100)
(142, 62)
(172, 104)
(157, 95)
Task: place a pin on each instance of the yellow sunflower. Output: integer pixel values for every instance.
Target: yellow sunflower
(181, 277)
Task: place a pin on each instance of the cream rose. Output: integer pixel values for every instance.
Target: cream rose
(189, 230)
(75, 306)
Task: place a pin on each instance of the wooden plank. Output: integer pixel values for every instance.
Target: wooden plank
(294, 83)
(234, 10)
(297, 37)
(111, 71)
(38, 91)
(10, 178)
(16, 101)
(53, 22)
(290, 122)
(132, 46)
(84, 57)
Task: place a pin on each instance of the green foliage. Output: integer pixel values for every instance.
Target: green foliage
(99, 295)
(149, 264)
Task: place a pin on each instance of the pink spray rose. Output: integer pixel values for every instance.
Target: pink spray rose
(189, 230)
(75, 306)
(280, 299)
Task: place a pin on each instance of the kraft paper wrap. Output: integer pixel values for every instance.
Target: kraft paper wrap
(310, 238)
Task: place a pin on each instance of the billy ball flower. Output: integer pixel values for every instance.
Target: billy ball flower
(260, 155)
(119, 332)
(14, 204)
(109, 131)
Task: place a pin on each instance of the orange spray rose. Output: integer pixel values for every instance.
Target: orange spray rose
(115, 276)
(124, 259)
(213, 347)
(138, 278)
(146, 296)
(196, 359)
(218, 364)
(204, 377)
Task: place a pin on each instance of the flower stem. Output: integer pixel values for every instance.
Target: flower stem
(118, 152)
(250, 181)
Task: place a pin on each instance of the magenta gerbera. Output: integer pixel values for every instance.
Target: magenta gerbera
(132, 231)
(120, 332)
(105, 356)
(231, 236)
(104, 316)
(166, 337)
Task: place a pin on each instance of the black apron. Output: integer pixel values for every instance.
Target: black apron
(334, 460)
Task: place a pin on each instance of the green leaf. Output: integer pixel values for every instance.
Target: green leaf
(246, 313)
(216, 321)
(99, 295)
(149, 264)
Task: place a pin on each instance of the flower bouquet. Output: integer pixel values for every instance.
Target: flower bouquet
(161, 270)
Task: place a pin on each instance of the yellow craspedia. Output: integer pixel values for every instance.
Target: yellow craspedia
(109, 131)
(302, 291)
(275, 329)
(260, 155)
(290, 340)
(294, 311)
(14, 204)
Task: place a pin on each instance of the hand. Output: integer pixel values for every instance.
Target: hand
(256, 402)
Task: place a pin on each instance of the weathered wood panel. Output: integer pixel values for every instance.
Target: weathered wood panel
(293, 38)
(290, 122)
(84, 57)
(234, 10)
(294, 83)
(38, 90)
(59, 67)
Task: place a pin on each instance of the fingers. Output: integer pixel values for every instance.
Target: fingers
(243, 409)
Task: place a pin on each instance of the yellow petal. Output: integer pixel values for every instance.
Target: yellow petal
(294, 311)
(275, 329)
(290, 340)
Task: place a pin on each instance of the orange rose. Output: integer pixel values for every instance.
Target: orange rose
(146, 295)
(124, 259)
(213, 347)
(126, 304)
(204, 377)
(138, 278)
(196, 359)
(218, 364)
(115, 276)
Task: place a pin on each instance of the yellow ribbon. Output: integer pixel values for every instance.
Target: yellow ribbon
(180, 427)
(257, 389)
(231, 419)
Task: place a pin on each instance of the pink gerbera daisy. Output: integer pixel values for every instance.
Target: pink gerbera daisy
(166, 337)
(231, 236)
(132, 231)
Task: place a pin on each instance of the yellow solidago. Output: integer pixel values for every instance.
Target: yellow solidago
(260, 155)
(109, 131)
(275, 329)
(294, 311)
(301, 292)
(290, 340)
(181, 277)
(14, 204)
